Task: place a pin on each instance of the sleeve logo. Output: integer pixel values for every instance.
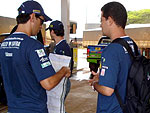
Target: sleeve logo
(102, 72)
(40, 52)
(46, 64)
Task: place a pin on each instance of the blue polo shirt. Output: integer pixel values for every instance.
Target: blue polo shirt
(115, 67)
(24, 64)
(62, 48)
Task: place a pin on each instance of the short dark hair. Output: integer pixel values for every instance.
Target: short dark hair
(58, 32)
(116, 11)
(22, 18)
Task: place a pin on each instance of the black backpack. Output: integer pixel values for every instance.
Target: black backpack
(138, 82)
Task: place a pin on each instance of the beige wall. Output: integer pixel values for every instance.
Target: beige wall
(91, 37)
(48, 38)
(140, 35)
(6, 24)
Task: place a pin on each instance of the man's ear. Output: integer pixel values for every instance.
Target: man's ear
(110, 20)
(32, 17)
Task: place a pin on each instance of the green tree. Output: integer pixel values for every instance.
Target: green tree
(139, 17)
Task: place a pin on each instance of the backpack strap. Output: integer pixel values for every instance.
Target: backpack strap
(126, 45)
(119, 98)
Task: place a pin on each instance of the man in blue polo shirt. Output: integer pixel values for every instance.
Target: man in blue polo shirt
(115, 60)
(26, 70)
(62, 48)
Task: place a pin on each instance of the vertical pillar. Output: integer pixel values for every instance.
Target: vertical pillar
(65, 17)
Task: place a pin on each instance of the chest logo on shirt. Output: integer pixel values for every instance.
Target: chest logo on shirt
(11, 44)
(40, 52)
(7, 54)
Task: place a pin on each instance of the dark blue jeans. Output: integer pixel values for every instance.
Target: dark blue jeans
(68, 87)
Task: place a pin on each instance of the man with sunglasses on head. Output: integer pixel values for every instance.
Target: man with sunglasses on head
(26, 70)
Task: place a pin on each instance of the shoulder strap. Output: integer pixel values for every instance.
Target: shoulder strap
(118, 97)
(122, 105)
(126, 45)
